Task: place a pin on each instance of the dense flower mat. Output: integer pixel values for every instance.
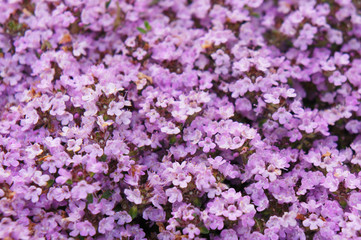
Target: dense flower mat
(175, 119)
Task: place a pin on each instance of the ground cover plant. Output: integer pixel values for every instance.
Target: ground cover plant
(176, 119)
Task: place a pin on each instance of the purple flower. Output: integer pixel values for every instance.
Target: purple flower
(59, 194)
(181, 180)
(354, 200)
(174, 195)
(229, 234)
(313, 222)
(123, 217)
(232, 213)
(240, 87)
(74, 145)
(154, 214)
(289, 219)
(33, 194)
(216, 162)
(85, 228)
(241, 66)
(282, 115)
(134, 196)
(195, 115)
(124, 118)
(63, 176)
(115, 108)
(207, 144)
(40, 179)
(106, 225)
(82, 189)
(191, 230)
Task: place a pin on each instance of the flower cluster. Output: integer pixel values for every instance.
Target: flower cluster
(162, 119)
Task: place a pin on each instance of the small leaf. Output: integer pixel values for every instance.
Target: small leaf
(107, 194)
(105, 117)
(91, 174)
(203, 230)
(133, 212)
(108, 3)
(254, 14)
(172, 140)
(343, 203)
(50, 183)
(147, 25)
(154, 2)
(103, 158)
(197, 202)
(46, 45)
(69, 181)
(89, 198)
(142, 30)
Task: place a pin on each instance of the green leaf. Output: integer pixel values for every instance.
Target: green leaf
(133, 212)
(142, 30)
(46, 45)
(197, 202)
(262, 121)
(103, 158)
(89, 198)
(108, 3)
(105, 117)
(172, 140)
(147, 25)
(91, 174)
(254, 14)
(69, 181)
(203, 230)
(343, 203)
(154, 2)
(50, 183)
(107, 194)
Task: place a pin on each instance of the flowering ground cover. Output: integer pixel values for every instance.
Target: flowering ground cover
(176, 119)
